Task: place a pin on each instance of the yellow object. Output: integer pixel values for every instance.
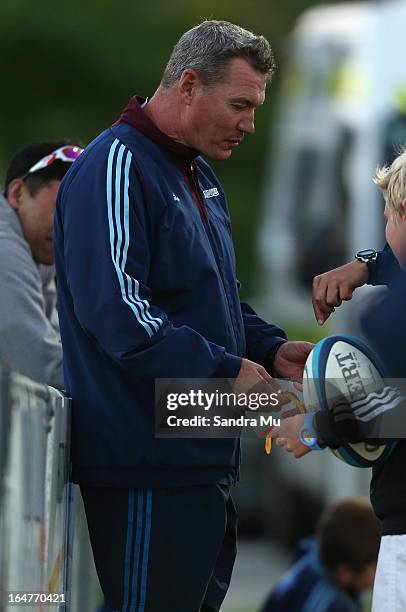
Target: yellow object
(268, 443)
(295, 400)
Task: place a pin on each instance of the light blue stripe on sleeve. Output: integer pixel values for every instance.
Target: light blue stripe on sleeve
(134, 305)
(144, 305)
(117, 204)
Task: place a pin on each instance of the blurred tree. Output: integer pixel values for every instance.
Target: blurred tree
(68, 68)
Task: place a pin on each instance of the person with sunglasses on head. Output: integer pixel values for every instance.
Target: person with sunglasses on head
(29, 332)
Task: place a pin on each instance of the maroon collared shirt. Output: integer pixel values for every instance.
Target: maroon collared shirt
(183, 156)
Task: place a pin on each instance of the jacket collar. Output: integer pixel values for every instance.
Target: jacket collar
(134, 115)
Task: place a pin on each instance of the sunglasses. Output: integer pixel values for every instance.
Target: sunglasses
(66, 154)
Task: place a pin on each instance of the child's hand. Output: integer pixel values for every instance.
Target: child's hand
(294, 446)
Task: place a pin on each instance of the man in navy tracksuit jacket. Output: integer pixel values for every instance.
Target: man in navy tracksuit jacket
(147, 289)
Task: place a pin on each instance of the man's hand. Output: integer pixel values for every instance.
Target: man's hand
(290, 359)
(252, 374)
(332, 288)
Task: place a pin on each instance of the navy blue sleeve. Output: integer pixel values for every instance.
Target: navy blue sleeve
(261, 337)
(384, 327)
(108, 257)
(386, 270)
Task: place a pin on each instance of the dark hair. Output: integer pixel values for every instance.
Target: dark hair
(29, 155)
(209, 47)
(349, 534)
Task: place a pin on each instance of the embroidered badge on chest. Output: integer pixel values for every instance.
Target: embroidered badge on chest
(211, 193)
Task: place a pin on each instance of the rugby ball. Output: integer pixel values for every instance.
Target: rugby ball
(341, 371)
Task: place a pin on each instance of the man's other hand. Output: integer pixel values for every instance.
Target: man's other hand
(332, 288)
(290, 360)
(251, 375)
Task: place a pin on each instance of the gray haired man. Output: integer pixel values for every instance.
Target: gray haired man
(146, 290)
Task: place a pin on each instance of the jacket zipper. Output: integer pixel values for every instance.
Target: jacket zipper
(203, 213)
(196, 193)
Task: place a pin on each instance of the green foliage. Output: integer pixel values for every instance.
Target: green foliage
(68, 68)
(312, 333)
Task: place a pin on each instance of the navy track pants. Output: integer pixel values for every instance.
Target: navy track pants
(162, 550)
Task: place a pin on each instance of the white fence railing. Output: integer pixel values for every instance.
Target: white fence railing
(44, 544)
